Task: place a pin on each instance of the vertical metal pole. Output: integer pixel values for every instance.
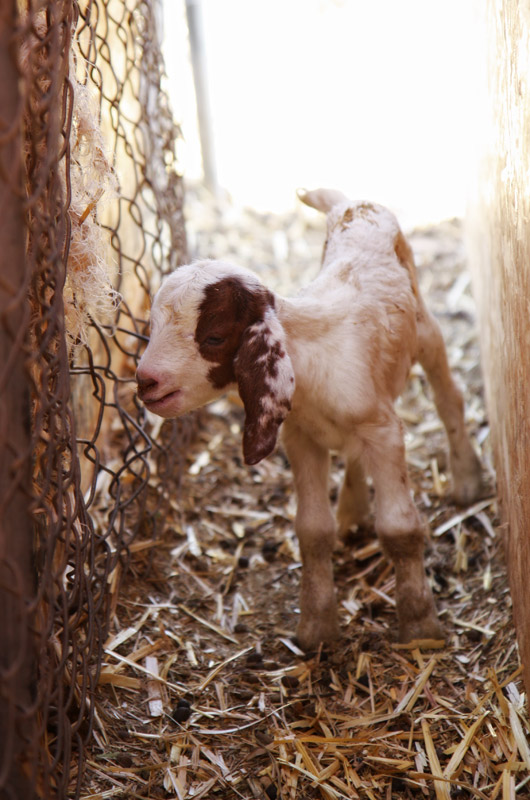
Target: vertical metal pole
(16, 530)
(200, 79)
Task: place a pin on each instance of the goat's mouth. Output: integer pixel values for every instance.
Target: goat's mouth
(159, 404)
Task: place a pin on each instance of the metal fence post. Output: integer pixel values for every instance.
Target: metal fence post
(16, 530)
(200, 79)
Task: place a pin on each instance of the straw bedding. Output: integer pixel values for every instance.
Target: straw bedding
(204, 694)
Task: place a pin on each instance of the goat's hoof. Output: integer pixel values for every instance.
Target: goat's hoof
(469, 491)
(310, 635)
(348, 530)
(356, 534)
(468, 482)
(426, 628)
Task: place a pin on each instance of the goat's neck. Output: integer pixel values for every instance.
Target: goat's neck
(303, 318)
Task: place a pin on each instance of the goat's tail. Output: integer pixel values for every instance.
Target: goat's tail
(322, 199)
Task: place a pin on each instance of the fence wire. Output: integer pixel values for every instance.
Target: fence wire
(90, 219)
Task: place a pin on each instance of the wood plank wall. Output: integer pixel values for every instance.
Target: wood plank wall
(499, 224)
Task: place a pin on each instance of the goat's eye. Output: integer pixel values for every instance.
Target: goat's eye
(214, 340)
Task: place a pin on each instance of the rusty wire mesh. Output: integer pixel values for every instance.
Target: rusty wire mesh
(91, 217)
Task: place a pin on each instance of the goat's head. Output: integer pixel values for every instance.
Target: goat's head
(214, 325)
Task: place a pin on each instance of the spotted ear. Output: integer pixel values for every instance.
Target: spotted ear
(265, 379)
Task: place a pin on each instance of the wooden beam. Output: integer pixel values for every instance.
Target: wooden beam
(500, 260)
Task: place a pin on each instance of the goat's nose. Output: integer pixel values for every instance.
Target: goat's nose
(145, 383)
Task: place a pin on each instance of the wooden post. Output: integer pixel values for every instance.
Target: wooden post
(500, 259)
(16, 530)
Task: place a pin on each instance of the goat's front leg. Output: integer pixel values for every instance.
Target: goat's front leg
(465, 465)
(400, 531)
(315, 529)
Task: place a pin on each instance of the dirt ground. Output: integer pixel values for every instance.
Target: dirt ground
(210, 607)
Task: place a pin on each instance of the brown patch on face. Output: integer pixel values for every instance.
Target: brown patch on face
(227, 310)
(239, 333)
(245, 345)
(405, 257)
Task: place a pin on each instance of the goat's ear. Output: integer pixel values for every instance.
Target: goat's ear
(265, 379)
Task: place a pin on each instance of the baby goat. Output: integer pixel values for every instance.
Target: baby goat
(328, 364)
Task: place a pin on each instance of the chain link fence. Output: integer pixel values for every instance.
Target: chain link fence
(90, 219)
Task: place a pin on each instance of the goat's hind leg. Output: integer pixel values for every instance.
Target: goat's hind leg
(315, 529)
(466, 469)
(400, 531)
(354, 498)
